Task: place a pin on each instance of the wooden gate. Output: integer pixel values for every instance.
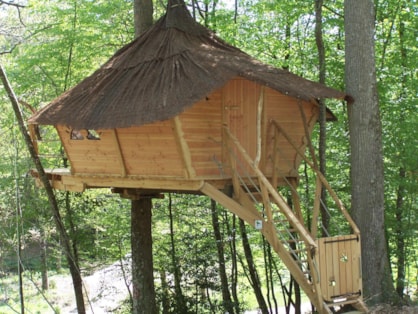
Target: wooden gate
(339, 262)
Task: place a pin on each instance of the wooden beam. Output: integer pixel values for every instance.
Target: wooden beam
(246, 214)
(183, 148)
(134, 182)
(137, 194)
(260, 109)
(275, 157)
(316, 207)
(296, 199)
(307, 134)
(119, 152)
(62, 178)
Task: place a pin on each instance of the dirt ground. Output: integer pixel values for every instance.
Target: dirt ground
(387, 309)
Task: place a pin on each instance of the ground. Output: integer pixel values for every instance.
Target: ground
(106, 289)
(387, 309)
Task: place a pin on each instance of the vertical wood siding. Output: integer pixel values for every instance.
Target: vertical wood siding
(153, 149)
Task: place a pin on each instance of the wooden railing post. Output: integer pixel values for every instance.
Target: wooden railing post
(321, 177)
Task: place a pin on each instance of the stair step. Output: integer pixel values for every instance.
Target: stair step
(303, 261)
(286, 231)
(297, 251)
(290, 242)
(343, 302)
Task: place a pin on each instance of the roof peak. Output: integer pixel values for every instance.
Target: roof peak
(178, 16)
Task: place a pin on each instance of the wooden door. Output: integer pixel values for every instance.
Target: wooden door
(240, 99)
(339, 263)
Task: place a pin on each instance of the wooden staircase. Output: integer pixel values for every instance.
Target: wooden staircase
(313, 264)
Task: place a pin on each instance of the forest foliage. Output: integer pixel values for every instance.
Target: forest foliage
(49, 46)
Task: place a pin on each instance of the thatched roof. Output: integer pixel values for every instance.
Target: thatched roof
(176, 63)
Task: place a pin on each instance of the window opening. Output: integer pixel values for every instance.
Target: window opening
(84, 134)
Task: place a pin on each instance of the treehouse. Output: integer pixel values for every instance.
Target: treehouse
(178, 109)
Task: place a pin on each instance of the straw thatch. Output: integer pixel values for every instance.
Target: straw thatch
(176, 63)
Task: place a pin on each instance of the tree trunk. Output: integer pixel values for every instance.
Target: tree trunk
(143, 10)
(77, 279)
(400, 236)
(255, 280)
(366, 149)
(179, 297)
(270, 281)
(231, 231)
(165, 302)
(401, 192)
(143, 291)
(75, 272)
(44, 263)
(226, 296)
(322, 109)
(297, 300)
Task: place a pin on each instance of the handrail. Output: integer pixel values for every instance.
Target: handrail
(321, 177)
(291, 217)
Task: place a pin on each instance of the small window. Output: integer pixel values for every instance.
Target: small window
(93, 135)
(84, 134)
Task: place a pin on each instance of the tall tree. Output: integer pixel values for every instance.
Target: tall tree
(180, 304)
(141, 212)
(226, 295)
(401, 191)
(322, 109)
(366, 148)
(142, 261)
(73, 266)
(143, 11)
(252, 270)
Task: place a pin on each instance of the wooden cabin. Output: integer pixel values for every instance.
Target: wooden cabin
(180, 110)
(181, 152)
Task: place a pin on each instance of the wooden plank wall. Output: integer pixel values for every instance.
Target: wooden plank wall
(285, 110)
(202, 128)
(158, 149)
(240, 99)
(89, 155)
(151, 150)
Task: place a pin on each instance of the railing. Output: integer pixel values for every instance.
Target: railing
(321, 182)
(282, 228)
(263, 186)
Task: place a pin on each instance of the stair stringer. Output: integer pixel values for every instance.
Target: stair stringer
(244, 207)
